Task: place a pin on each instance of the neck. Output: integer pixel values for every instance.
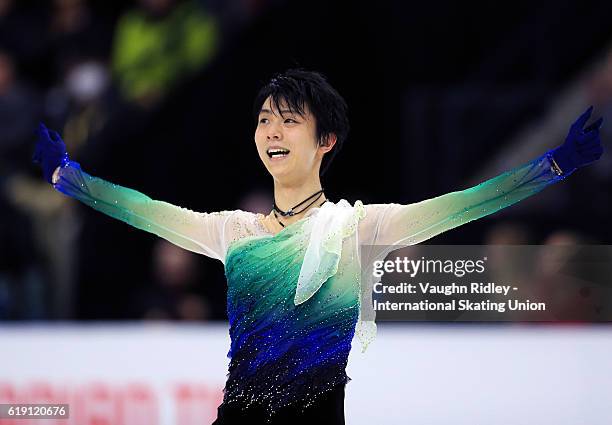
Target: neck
(287, 195)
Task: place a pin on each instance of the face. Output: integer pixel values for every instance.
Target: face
(287, 143)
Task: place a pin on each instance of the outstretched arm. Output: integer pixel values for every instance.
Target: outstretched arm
(394, 224)
(414, 223)
(198, 232)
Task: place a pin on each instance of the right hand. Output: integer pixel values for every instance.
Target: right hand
(50, 151)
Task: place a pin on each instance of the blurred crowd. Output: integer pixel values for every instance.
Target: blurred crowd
(567, 271)
(101, 73)
(137, 91)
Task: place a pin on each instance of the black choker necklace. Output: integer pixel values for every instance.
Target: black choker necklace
(281, 223)
(291, 211)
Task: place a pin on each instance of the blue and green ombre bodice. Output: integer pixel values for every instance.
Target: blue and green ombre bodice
(282, 353)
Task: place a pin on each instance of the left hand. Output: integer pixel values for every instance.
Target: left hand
(581, 146)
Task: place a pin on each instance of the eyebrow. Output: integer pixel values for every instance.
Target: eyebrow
(284, 111)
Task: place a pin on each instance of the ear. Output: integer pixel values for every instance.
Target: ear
(328, 143)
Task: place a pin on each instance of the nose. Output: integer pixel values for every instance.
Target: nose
(274, 132)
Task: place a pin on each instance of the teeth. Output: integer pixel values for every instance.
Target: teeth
(277, 152)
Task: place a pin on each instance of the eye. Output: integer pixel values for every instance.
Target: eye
(263, 120)
(290, 121)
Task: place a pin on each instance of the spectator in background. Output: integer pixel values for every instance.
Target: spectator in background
(158, 44)
(51, 53)
(508, 260)
(23, 292)
(176, 274)
(21, 284)
(24, 34)
(81, 101)
(599, 92)
(80, 44)
(560, 280)
(18, 113)
(76, 33)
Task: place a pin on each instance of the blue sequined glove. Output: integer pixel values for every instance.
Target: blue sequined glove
(581, 147)
(50, 151)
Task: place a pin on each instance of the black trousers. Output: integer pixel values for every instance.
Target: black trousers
(327, 410)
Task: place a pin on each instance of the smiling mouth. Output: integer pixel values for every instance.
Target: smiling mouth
(277, 153)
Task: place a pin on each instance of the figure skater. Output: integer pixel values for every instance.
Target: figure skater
(293, 276)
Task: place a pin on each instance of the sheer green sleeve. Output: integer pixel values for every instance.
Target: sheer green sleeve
(395, 224)
(202, 233)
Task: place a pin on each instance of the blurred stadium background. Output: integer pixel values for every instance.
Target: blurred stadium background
(156, 95)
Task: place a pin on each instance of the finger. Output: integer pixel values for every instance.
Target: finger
(586, 139)
(55, 136)
(42, 130)
(582, 119)
(595, 126)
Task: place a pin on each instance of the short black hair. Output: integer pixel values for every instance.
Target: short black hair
(296, 88)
